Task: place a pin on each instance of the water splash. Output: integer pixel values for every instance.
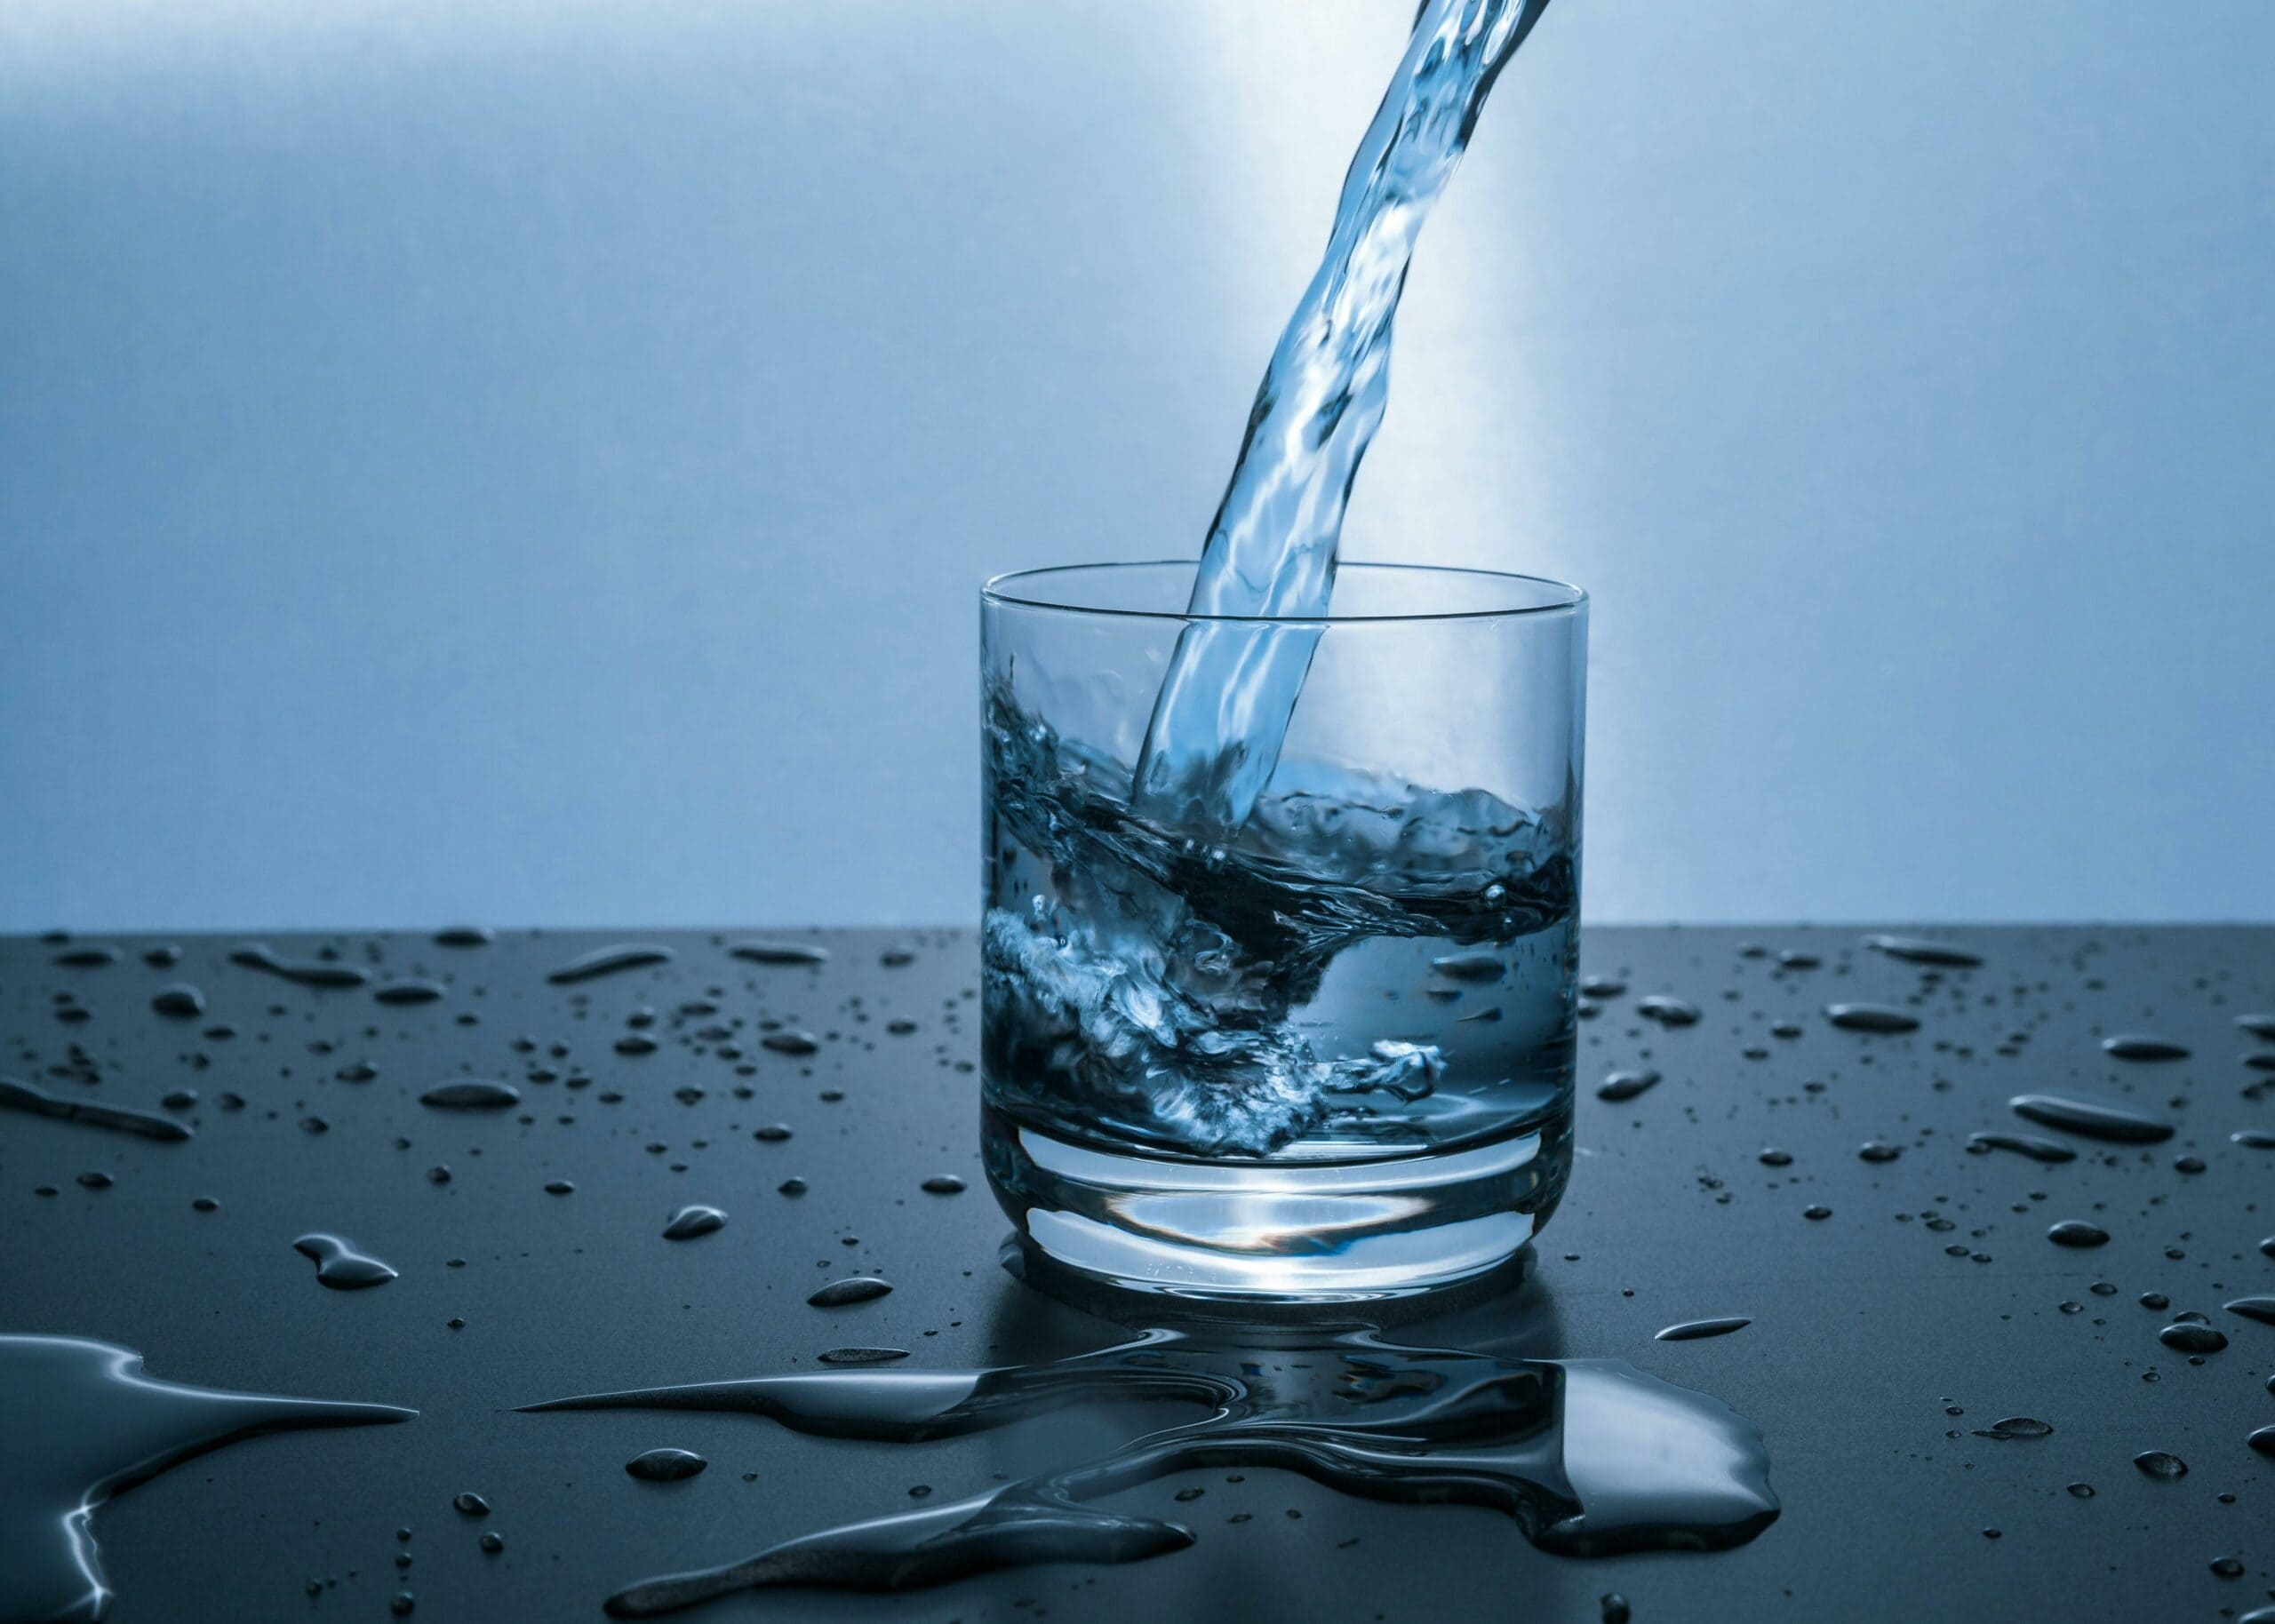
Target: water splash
(1224, 707)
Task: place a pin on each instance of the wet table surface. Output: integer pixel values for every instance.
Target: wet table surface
(1887, 1334)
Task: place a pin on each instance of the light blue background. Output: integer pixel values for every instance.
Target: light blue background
(533, 463)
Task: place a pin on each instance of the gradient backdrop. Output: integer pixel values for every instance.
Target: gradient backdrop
(533, 463)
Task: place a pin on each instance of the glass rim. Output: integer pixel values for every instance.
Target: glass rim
(998, 590)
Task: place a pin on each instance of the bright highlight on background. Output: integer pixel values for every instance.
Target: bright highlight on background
(537, 466)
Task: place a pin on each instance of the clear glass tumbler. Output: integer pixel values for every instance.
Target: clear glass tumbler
(1325, 1054)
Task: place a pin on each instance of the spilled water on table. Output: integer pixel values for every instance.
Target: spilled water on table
(80, 1422)
(1589, 1457)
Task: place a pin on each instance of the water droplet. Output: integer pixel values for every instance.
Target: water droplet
(840, 1293)
(2015, 1427)
(87, 958)
(2038, 1150)
(2182, 1337)
(492, 1541)
(1870, 1018)
(470, 1504)
(608, 961)
(691, 1222)
(1877, 1150)
(2261, 1308)
(1690, 1330)
(943, 1184)
(181, 1000)
(791, 1043)
(304, 972)
(2077, 1232)
(410, 992)
(2253, 1139)
(780, 953)
(792, 1186)
(22, 1096)
(357, 1071)
(772, 1132)
(1601, 986)
(2081, 1491)
(164, 956)
(339, 1265)
(1771, 1157)
(2257, 1026)
(633, 1044)
(1476, 963)
(2092, 1117)
(2227, 1567)
(665, 1465)
(1615, 1609)
(1667, 1010)
(1622, 1086)
(864, 1356)
(897, 958)
(402, 1603)
(1918, 950)
(2161, 1464)
(559, 1187)
(2263, 1440)
(473, 1094)
(2140, 1045)
(1816, 1213)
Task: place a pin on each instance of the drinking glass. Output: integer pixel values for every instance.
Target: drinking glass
(1324, 1054)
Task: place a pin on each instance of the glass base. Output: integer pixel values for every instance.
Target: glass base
(1263, 1232)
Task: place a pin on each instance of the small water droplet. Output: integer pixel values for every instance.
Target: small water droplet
(1870, 1018)
(2049, 1151)
(339, 1265)
(608, 961)
(841, 1293)
(2077, 1232)
(470, 1504)
(1667, 1010)
(410, 992)
(1690, 1330)
(181, 1000)
(1623, 1086)
(2141, 1046)
(2161, 1464)
(943, 1184)
(492, 1541)
(791, 1043)
(1817, 1212)
(304, 972)
(2015, 1427)
(864, 1356)
(665, 1465)
(1918, 950)
(1771, 1157)
(691, 1222)
(780, 953)
(472, 1093)
(1877, 1150)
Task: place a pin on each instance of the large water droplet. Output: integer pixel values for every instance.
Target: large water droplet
(1918, 950)
(22, 1096)
(2094, 1117)
(339, 1265)
(608, 961)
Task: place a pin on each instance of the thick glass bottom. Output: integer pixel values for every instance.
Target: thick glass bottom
(1280, 1231)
